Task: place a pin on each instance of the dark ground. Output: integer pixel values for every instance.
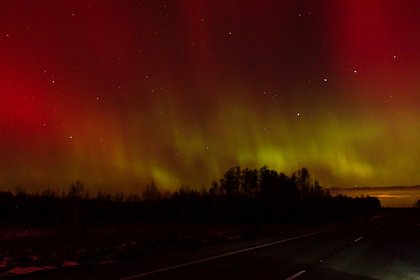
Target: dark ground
(385, 247)
(56, 247)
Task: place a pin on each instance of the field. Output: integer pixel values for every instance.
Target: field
(29, 250)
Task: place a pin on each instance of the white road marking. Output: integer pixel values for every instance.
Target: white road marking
(358, 239)
(227, 254)
(296, 275)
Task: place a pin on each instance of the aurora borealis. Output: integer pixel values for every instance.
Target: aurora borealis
(117, 93)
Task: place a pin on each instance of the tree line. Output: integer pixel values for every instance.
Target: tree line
(240, 195)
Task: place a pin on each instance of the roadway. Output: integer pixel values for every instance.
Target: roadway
(386, 247)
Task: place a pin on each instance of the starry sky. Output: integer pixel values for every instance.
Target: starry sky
(119, 93)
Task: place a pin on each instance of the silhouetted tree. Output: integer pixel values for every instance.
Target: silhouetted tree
(100, 196)
(76, 190)
(151, 192)
(316, 190)
(118, 197)
(303, 182)
(268, 181)
(132, 197)
(249, 186)
(247, 195)
(49, 193)
(231, 181)
(214, 189)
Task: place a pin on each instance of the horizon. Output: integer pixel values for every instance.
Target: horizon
(389, 196)
(392, 196)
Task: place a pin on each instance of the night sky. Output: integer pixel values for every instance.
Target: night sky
(117, 93)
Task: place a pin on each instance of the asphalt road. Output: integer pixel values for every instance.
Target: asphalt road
(386, 247)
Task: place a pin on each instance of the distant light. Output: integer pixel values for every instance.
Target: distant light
(70, 137)
(325, 79)
(298, 114)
